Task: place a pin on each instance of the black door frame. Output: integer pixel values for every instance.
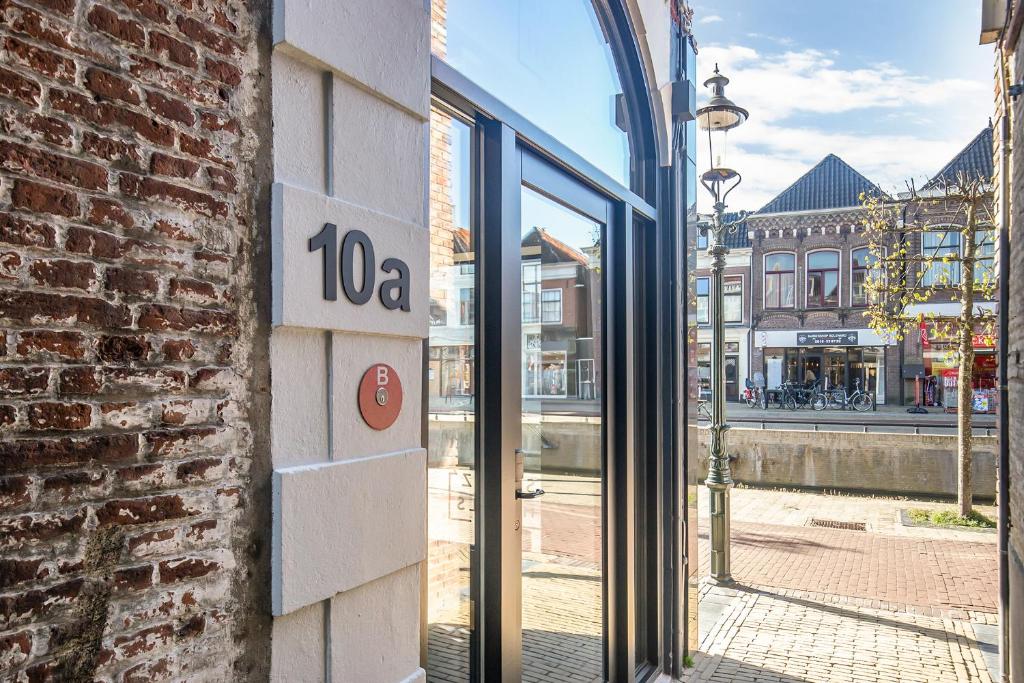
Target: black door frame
(511, 152)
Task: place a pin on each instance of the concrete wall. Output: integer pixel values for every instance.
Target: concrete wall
(895, 463)
(351, 88)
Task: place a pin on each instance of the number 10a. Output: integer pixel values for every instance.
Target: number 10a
(394, 293)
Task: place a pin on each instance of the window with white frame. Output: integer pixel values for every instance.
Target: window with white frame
(940, 244)
(703, 301)
(732, 308)
(863, 266)
(822, 279)
(531, 292)
(551, 306)
(984, 256)
(780, 280)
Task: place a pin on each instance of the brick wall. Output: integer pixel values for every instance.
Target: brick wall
(126, 332)
(1014, 70)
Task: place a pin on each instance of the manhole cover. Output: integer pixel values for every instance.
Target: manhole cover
(836, 524)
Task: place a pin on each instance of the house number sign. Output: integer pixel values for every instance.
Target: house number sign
(380, 396)
(394, 292)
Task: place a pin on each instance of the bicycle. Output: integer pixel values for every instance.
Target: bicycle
(860, 401)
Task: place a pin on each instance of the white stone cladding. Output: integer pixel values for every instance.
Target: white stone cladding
(351, 92)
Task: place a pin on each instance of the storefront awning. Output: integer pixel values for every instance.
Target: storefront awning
(810, 338)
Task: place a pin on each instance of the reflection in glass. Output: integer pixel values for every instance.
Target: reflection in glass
(562, 442)
(549, 61)
(451, 410)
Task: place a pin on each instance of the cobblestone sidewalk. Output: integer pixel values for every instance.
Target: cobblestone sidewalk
(780, 637)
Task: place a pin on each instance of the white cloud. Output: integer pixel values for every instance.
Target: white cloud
(710, 19)
(889, 124)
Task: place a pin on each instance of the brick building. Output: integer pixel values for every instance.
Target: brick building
(247, 248)
(1001, 25)
(809, 259)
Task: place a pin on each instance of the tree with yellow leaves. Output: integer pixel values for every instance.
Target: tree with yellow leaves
(935, 246)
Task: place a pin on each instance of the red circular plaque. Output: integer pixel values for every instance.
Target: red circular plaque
(380, 396)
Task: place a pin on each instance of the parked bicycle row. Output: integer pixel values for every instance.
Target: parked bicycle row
(793, 395)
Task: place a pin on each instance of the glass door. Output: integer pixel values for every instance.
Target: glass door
(561, 459)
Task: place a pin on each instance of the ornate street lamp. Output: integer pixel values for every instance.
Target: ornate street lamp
(717, 117)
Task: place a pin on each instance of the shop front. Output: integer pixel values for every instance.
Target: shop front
(837, 358)
(940, 372)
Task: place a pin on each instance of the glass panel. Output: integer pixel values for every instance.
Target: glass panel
(771, 291)
(733, 308)
(820, 260)
(788, 290)
(860, 258)
(451, 411)
(548, 61)
(562, 446)
(776, 262)
(831, 287)
(814, 289)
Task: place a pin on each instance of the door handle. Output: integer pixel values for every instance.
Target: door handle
(529, 495)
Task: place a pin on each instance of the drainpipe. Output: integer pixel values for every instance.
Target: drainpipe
(1003, 337)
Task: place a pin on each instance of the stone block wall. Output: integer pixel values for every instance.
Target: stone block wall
(127, 311)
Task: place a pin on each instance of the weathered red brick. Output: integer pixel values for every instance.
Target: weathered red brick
(107, 115)
(19, 88)
(26, 606)
(215, 122)
(178, 349)
(126, 30)
(148, 380)
(170, 108)
(196, 291)
(63, 273)
(66, 485)
(123, 348)
(221, 180)
(131, 281)
(162, 164)
(81, 380)
(177, 51)
(104, 449)
(111, 149)
(34, 307)
(176, 231)
(134, 578)
(199, 147)
(197, 90)
(10, 265)
(223, 71)
(49, 415)
(180, 441)
(27, 21)
(40, 60)
(160, 317)
(14, 571)
(23, 159)
(8, 415)
(14, 230)
(143, 542)
(143, 641)
(111, 86)
(15, 648)
(142, 510)
(109, 213)
(198, 31)
(183, 197)
(182, 568)
(62, 344)
(63, 6)
(149, 9)
(154, 670)
(29, 125)
(40, 527)
(15, 492)
(44, 199)
(197, 470)
(22, 381)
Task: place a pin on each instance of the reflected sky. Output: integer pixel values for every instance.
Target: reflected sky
(548, 61)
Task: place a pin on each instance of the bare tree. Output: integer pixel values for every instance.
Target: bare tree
(934, 246)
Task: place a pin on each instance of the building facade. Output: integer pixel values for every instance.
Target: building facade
(302, 307)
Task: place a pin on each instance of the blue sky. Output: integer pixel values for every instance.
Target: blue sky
(895, 88)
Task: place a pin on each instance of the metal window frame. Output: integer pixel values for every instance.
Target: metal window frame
(512, 153)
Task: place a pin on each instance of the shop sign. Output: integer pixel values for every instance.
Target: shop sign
(826, 338)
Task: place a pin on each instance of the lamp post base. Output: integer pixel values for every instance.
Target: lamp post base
(721, 551)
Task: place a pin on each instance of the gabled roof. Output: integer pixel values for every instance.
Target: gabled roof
(553, 250)
(830, 184)
(973, 161)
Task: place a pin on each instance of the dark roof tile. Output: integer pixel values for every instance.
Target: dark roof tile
(830, 184)
(973, 161)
